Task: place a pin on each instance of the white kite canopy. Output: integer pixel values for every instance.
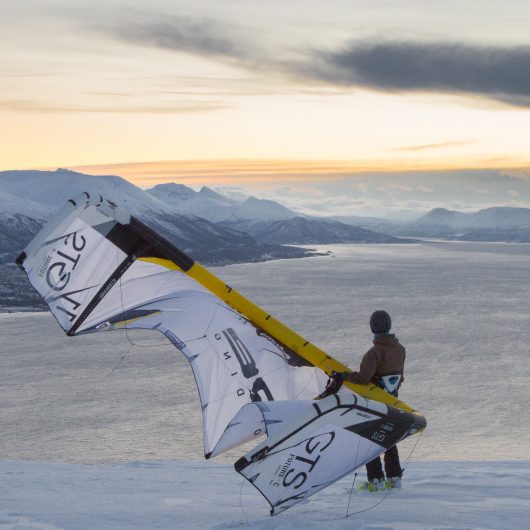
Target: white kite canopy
(327, 440)
(100, 269)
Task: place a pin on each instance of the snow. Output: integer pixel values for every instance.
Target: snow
(12, 206)
(40, 193)
(51, 190)
(216, 207)
(200, 495)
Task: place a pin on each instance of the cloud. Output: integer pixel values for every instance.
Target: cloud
(499, 72)
(522, 174)
(393, 188)
(439, 145)
(58, 108)
(189, 35)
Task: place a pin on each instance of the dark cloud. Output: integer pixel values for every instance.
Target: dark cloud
(194, 36)
(502, 73)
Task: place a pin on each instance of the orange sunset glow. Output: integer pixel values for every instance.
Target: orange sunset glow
(256, 172)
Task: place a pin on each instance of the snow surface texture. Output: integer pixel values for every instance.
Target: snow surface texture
(178, 495)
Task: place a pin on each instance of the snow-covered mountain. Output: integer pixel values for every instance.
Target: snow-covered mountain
(28, 198)
(440, 217)
(11, 205)
(263, 209)
(172, 192)
(19, 220)
(492, 224)
(15, 231)
(376, 224)
(228, 227)
(305, 231)
(494, 218)
(53, 188)
(506, 224)
(207, 204)
(215, 207)
(506, 235)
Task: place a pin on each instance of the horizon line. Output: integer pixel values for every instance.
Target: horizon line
(268, 170)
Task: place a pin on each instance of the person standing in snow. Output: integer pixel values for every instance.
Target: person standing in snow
(383, 365)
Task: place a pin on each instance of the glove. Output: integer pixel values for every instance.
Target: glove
(333, 385)
(335, 382)
(348, 376)
(337, 376)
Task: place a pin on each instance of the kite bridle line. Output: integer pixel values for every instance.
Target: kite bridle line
(407, 461)
(387, 493)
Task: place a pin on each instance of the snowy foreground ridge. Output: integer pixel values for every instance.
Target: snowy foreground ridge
(156, 495)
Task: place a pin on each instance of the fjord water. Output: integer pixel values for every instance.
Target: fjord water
(461, 309)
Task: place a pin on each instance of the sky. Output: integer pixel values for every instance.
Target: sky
(384, 104)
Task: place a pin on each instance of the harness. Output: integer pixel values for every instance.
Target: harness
(389, 383)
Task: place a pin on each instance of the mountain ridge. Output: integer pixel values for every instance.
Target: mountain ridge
(207, 241)
(309, 231)
(215, 207)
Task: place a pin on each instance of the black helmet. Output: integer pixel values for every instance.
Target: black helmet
(380, 322)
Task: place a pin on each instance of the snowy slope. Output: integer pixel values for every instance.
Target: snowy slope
(20, 220)
(54, 188)
(31, 196)
(263, 209)
(499, 223)
(172, 192)
(188, 495)
(491, 224)
(208, 204)
(216, 207)
(304, 231)
(496, 217)
(11, 205)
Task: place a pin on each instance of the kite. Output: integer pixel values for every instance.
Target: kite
(99, 269)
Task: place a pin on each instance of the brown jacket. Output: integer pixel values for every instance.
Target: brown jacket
(385, 357)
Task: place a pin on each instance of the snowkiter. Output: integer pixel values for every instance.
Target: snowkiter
(383, 364)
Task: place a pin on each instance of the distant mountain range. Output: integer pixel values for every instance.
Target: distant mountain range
(215, 207)
(29, 198)
(209, 226)
(503, 224)
(309, 231)
(217, 229)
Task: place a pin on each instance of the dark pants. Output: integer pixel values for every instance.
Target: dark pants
(374, 469)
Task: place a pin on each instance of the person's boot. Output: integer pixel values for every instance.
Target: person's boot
(372, 485)
(392, 482)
